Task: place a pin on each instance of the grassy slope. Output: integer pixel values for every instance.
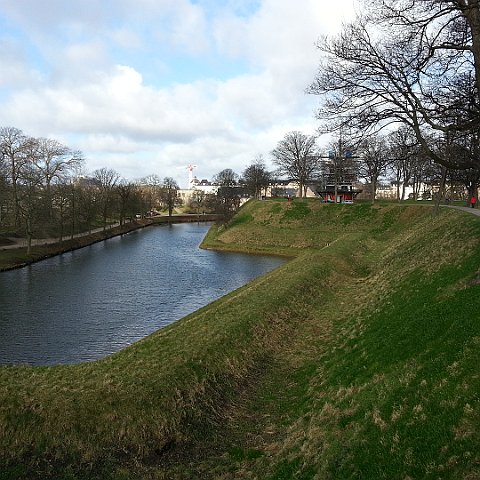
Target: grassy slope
(357, 359)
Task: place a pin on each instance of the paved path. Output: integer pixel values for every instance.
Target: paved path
(473, 211)
(22, 242)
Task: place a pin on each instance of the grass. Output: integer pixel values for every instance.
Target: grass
(357, 359)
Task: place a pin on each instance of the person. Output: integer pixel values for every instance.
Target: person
(473, 200)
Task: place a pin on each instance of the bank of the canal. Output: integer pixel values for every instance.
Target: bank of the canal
(15, 256)
(357, 359)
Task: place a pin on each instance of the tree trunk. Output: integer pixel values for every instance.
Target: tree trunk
(374, 189)
(441, 191)
(29, 236)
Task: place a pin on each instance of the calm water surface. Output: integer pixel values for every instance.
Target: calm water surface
(89, 303)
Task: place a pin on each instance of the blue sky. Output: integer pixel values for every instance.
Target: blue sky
(149, 86)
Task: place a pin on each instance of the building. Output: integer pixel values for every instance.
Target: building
(339, 181)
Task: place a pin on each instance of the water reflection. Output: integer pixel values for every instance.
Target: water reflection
(89, 303)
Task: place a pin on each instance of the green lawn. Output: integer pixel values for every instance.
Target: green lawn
(359, 358)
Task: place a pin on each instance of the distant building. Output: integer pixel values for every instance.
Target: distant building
(208, 188)
(339, 182)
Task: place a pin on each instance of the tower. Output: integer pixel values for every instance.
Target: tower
(190, 168)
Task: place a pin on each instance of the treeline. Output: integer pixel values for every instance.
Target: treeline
(44, 192)
(412, 66)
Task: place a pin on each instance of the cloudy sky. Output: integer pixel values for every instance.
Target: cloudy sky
(150, 86)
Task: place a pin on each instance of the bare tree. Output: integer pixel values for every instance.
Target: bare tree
(374, 158)
(226, 178)
(88, 199)
(28, 195)
(4, 189)
(55, 162)
(125, 191)
(168, 194)
(106, 179)
(12, 147)
(151, 187)
(296, 156)
(197, 200)
(256, 177)
(227, 200)
(413, 62)
(64, 204)
(449, 30)
(403, 150)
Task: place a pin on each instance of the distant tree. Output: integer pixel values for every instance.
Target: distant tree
(151, 187)
(373, 160)
(340, 166)
(297, 157)
(12, 149)
(210, 202)
(256, 177)
(226, 178)
(28, 196)
(125, 191)
(197, 200)
(169, 194)
(228, 193)
(88, 201)
(470, 179)
(403, 150)
(55, 162)
(64, 205)
(4, 191)
(106, 179)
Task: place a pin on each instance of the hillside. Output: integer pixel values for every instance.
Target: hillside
(357, 359)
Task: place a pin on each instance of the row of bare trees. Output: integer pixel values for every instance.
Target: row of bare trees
(394, 158)
(411, 67)
(43, 192)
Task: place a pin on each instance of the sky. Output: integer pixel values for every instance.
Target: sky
(152, 86)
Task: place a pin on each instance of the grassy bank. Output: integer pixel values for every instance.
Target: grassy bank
(357, 359)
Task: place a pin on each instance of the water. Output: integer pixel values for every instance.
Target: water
(84, 305)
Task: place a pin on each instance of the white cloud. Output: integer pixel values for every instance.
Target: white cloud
(92, 87)
(124, 37)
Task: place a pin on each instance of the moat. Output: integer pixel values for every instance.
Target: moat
(86, 304)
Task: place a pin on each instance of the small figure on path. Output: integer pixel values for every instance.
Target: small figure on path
(473, 201)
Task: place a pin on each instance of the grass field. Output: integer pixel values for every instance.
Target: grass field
(359, 358)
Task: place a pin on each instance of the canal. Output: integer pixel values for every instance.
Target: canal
(89, 303)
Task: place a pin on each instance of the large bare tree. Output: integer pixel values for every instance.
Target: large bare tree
(296, 156)
(414, 62)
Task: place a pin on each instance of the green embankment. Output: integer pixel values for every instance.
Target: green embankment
(357, 359)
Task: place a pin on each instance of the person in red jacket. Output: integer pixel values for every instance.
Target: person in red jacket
(473, 201)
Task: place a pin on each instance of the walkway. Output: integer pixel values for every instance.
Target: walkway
(22, 242)
(474, 211)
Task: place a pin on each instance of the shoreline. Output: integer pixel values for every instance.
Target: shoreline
(12, 257)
